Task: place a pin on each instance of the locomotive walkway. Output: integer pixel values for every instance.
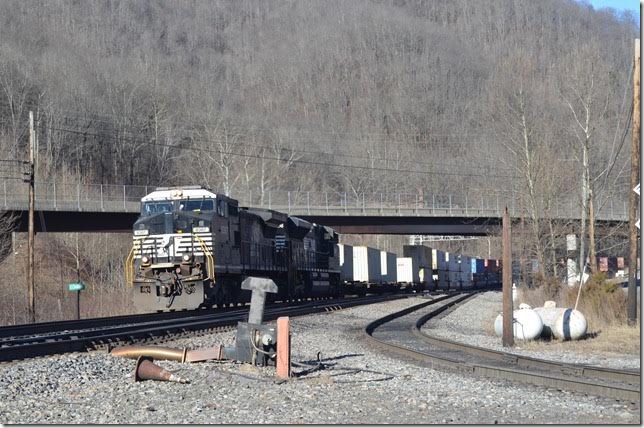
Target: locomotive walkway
(113, 208)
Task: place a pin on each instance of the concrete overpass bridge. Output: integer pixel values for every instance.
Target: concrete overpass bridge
(75, 207)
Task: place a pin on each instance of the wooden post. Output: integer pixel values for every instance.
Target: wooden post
(508, 331)
(30, 239)
(283, 369)
(632, 201)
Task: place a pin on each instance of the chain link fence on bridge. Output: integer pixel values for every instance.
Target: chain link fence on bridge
(125, 198)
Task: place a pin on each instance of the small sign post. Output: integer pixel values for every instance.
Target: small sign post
(77, 287)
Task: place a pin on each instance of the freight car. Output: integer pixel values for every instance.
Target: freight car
(192, 248)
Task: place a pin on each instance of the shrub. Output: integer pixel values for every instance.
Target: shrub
(602, 303)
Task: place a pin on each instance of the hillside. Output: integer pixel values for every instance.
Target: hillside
(481, 98)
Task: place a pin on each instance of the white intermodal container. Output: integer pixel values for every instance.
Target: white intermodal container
(345, 253)
(405, 271)
(388, 267)
(366, 265)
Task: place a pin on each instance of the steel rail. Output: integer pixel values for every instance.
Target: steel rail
(518, 360)
(154, 330)
(599, 381)
(12, 331)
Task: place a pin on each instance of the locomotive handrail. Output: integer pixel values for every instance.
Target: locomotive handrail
(129, 260)
(210, 260)
(129, 267)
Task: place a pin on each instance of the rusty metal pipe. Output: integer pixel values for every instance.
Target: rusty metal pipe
(147, 370)
(156, 352)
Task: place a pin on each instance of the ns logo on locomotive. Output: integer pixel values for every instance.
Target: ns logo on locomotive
(193, 248)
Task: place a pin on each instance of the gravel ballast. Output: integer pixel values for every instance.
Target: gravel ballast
(472, 323)
(357, 385)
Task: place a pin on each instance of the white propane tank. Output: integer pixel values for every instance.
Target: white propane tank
(548, 316)
(527, 324)
(570, 324)
(524, 306)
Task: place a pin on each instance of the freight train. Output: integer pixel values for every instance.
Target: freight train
(192, 248)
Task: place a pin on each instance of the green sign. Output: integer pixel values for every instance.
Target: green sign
(76, 286)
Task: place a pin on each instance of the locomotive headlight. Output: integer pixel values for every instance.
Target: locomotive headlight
(186, 257)
(141, 232)
(200, 229)
(145, 260)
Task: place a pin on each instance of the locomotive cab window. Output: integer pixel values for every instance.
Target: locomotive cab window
(149, 208)
(197, 205)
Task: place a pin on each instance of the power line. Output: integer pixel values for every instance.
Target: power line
(298, 161)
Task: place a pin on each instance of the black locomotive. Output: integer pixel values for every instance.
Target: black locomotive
(193, 248)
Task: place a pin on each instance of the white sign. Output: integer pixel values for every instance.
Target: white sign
(571, 242)
(636, 189)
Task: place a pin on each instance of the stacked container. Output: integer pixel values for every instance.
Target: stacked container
(422, 264)
(366, 265)
(478, 272)
(345, 253)
(388, 267)
(466, 272)
(407, 270)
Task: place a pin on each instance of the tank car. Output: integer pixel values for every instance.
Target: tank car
(193, 248)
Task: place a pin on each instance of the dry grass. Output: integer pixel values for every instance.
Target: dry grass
(613, 341)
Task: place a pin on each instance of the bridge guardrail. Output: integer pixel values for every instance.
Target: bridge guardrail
(124, 198)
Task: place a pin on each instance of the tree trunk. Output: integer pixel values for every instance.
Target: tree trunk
(591, 234)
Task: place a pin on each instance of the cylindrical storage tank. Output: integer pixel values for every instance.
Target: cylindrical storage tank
(527, 324)
(549, 316)
(570, 325)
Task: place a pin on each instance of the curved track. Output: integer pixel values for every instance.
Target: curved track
(400, 333)
(70, 336)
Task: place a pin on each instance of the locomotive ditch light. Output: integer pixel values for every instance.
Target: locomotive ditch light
(145, 261)
(186, 257)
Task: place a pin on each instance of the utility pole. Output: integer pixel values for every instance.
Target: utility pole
(632, 201)
(30, 240)
(508, 315)
(77, 278)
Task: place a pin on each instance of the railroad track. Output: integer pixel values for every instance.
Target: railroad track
(400, 333)
(27, 330)
(71, 336)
